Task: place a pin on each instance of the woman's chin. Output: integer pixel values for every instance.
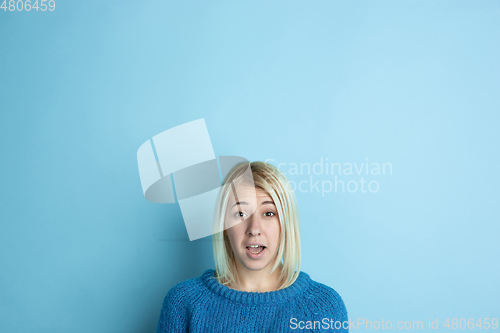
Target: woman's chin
(255, 266)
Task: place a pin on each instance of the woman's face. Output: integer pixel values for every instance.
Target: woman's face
(255, 239)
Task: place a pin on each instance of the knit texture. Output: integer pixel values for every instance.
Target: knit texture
(204, 305)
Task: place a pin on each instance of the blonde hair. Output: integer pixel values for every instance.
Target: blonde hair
(269, 179)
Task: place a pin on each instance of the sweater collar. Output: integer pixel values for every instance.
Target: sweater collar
(302, 283)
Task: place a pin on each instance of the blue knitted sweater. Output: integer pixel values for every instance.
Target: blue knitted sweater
(204, 305)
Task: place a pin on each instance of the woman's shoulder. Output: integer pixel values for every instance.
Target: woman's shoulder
(178, 303)
(325, 292)
(324, 298)
(186, 289)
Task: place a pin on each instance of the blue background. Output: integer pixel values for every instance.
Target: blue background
(411, 83)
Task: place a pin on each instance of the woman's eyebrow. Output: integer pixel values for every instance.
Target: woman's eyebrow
(239, 203)
(267, 202)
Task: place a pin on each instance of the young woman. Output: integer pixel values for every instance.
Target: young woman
(257, 285)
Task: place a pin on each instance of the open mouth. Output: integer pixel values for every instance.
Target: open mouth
(255, 249)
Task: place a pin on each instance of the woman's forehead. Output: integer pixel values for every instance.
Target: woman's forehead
(249, 195)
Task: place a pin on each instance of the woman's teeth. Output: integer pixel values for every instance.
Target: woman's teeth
(256, 248)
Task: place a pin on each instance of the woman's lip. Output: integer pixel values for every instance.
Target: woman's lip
(255, 255)
(258, 244)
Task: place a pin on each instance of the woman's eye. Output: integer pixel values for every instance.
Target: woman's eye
(240, 214)
(269, 214)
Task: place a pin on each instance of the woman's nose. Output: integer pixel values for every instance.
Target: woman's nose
(254, 225)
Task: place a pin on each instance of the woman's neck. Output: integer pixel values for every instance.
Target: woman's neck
(258, 281)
